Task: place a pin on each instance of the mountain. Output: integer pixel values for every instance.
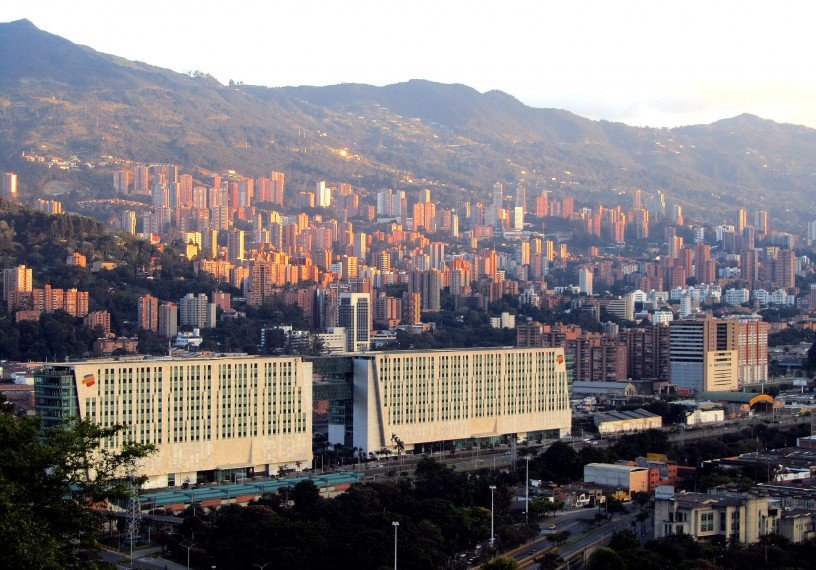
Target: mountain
(76, 101)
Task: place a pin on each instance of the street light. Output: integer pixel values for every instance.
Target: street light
(527, 491)
(395, 524)
(262, 566)
(188, 554)
(492, 534)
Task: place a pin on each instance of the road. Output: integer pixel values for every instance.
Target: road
(499, 457)
(602, 533)
(576, 522)
(141, 559)
(717, 430)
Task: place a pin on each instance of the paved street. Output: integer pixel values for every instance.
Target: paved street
(141, 559)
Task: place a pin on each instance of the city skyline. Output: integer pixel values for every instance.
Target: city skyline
(621, 63)
(271, 327)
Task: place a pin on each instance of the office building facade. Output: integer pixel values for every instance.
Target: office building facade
(209, 418)
(466, 394)
(354, 315)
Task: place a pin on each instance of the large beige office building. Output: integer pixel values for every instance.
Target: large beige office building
(209, 418)
(218, 418)
(463, 394)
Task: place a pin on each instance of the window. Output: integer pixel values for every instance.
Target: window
(707, 522)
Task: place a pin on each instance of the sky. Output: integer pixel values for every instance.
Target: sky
(657, 63)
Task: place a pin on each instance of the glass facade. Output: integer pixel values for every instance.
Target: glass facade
(56, 396)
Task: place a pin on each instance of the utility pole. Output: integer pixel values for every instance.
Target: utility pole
(527, 491)
(395, 524)
(492, 535)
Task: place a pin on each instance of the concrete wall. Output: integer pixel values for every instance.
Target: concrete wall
(630, 479)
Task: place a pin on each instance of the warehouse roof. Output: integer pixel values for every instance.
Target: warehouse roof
(737, 397)
(615, 416)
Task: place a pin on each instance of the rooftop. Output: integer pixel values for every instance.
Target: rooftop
(691, 500)
(736, 397)
(617, 467)
(615, 416)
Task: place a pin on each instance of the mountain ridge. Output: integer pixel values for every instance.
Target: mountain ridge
(76, 100)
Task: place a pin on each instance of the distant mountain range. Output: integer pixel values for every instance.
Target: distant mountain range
(416, 134)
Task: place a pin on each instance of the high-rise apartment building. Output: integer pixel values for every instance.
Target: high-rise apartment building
(235, 246)
(17, 279)
(148, 313)
(648, 352)
(637, 199)
(585, 277)
(742, 220)
(8, 187)
(278, 189)
(385, 202)
(168, 320)
(360, 248)
(783, 269)
(323, 194)
(128, 222)
(411, 308)
(811, 231)
(498, 195)
(761, 221)
(99, 319)
(429, 286)
(387, 310)
(141, 182)
(750, 339)
(436, 251)
(677, 215)
(542, 205)
(704, 270)
(521, 197)
(122, 180)
(196, 311)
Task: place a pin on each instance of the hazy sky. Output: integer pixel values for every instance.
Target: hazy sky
(657, 63)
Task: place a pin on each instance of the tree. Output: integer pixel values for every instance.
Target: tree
(48, 486)
(811, 357)
(306, 497)
(624, 540)
(558, 463)
(642, 498)
(605, 559)
(559, 537)
(502, 563)
(543, 507)
(614, 505)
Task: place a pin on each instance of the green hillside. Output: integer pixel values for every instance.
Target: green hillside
(75, 101)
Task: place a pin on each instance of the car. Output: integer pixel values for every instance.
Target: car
(551, 527)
